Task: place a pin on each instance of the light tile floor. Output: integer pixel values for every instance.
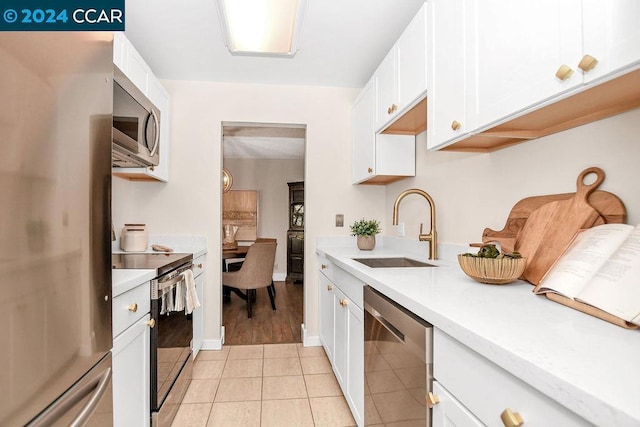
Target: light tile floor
(263, 385)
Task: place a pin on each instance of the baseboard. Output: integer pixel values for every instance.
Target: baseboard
(309, 341)
(279, 277)
(214, 344)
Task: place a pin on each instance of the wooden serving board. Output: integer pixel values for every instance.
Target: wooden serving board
(550, 228)
(609, 206)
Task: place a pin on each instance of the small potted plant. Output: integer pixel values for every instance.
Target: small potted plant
(366, 231)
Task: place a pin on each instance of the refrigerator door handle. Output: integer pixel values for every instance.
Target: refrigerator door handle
(96, 387)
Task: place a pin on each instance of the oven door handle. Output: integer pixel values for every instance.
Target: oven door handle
(169, 283)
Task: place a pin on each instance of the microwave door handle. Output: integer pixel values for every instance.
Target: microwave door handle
(156, 123)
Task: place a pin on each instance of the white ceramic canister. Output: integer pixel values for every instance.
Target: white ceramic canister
(134, 238)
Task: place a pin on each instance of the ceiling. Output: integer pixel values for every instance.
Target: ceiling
(342, 43)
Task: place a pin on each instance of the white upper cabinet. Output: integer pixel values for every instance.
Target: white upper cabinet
(502, 72)
(450, 81)
(611, 36)
(401, 78)
(519, 48)
(364, 136)
(134, 67)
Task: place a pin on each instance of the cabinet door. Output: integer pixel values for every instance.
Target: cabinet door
(611, 35)
(340, 353)
(364, 137)
(198, 317)
(519, 47)
(131, 375)
(355, 369)
(412, 60)
(326, 314)
(449, 412)
(386, 89)
(449, 79)
(120, 51)
(137, 69)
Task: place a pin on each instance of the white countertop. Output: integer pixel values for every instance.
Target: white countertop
(124, 280)
(584, 363)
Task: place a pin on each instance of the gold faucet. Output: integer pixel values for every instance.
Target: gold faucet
(432, 236)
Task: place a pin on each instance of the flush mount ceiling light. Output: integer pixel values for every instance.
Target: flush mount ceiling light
(261, 27)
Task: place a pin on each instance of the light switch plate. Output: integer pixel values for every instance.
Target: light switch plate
(339, 220)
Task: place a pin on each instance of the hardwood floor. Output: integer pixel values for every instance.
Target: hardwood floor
(266, 326)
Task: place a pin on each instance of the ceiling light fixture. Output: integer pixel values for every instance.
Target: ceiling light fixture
(261, 27)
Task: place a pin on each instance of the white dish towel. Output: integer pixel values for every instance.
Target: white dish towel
(191, 297)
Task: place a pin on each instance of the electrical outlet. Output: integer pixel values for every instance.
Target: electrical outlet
(400, 229)
(339, 220)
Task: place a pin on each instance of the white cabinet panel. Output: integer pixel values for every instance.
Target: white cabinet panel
(611, 35)
(355, 369)
(340, 351)
(386, 89)
(198, 314)
(412, 60)
(448, 412)
(364, 136)
(326, 314)
(519, 47)
(131, 375)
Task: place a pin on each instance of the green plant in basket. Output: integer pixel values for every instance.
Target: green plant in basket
(365, 227)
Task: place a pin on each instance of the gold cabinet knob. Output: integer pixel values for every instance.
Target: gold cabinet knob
(199, 266)
(370, 170)
(323, 266)
(432, 400)
(151, 323)
(392, 109)
(455, 125)
(343, 302)
(133, 307)
(152, 168)
(511, 419)
(587, 63)
(564, 72)
(329, 287)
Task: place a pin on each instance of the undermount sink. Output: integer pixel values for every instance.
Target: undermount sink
(392, 262)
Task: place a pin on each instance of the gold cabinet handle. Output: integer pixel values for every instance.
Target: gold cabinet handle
(432, 400)
(343, 302)
(392, 109)
(455, 125)
(323, 266)
(329, 287)
(511, 419)
(151, 323)
(370, 170)
(199, 265)
(152, 168)
(564, 72)
(587, 63)
(133, 307)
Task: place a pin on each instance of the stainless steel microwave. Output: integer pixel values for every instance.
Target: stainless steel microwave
(136, 127)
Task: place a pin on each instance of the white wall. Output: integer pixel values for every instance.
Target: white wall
(191, 202)
(269, 177)
(474, 191)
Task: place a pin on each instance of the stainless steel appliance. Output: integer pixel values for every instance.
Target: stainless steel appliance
(171, 361)
(398, 363)
(55, 246)
(136, 126)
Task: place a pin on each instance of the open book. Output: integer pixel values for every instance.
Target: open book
(601, 267)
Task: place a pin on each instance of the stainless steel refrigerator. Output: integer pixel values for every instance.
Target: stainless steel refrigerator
(56, 109)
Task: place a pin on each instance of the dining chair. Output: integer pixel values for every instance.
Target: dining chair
(256, 272)
(234, 265)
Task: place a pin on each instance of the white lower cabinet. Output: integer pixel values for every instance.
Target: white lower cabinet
(198, 313)
(342, 335)
(488, 392)
(448, 412)
(131, 357)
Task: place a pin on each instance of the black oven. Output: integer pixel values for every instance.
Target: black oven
(172, 332)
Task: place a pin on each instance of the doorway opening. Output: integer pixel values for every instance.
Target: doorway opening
(264, 166)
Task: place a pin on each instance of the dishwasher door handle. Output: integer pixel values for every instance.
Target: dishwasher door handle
(388, 325)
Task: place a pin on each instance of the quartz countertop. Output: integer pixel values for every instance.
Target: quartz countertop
(584, 363)
(124, 280)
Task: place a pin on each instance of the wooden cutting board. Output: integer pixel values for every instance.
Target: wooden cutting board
(550, 228)
(610, 207)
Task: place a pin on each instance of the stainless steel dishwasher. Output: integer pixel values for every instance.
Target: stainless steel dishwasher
(398, 363)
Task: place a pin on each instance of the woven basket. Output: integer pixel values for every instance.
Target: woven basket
(494, 271)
